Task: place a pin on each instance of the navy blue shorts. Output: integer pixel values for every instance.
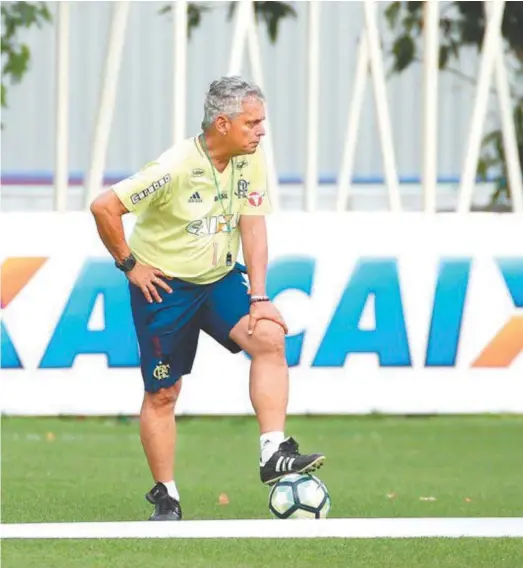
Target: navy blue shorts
(168, 332)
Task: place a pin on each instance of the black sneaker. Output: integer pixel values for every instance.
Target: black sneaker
(288, 460)
(166, 508)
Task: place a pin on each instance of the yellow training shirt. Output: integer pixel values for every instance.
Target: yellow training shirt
(183, 221)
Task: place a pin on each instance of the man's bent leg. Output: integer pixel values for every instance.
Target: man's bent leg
(269, 373)
(269, 390)
(226, 318)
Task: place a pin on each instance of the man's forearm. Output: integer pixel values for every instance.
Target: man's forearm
(255, 254)
(256, 262)
(111, 231)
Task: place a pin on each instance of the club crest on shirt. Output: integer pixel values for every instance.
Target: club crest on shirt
(242, 188)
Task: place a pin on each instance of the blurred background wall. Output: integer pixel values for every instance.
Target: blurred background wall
(141, 127)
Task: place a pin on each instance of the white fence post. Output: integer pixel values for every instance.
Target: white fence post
(430, 105)
(246, 30)
(61, 176)
(382, 107)
(179, 9)
(313, 90)
(510, 143)
(353, 123)
(241, 26)
(253, 44)
(490, 43)
(104, 117)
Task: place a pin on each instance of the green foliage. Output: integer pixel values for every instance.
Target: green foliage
(272, 13)
(462, 24)
(195, 10)
(16, 56)
(493, 156)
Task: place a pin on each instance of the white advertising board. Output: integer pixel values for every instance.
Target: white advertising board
(387, 313)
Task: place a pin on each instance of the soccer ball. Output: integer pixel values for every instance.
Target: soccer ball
(299, 496)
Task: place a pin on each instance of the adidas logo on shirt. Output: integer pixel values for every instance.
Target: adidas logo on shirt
(195, 198)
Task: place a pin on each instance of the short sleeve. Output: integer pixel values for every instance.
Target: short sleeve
(257, 200)
(145, 188)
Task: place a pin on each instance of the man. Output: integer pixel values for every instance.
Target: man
(193, 205)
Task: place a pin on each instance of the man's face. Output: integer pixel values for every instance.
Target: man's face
(246, 129)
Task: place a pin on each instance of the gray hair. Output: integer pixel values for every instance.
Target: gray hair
(226, 96)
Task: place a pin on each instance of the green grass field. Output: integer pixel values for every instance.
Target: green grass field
(56, 470)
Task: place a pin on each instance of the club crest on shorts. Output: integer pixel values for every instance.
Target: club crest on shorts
(161, 371)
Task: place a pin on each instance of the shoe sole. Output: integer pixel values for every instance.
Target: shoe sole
(314, 466)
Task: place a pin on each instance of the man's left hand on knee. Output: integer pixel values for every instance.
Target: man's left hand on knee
(265, 311)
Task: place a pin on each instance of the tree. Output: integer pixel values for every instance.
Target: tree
(270, 12)
(462, 24)
(16, 56)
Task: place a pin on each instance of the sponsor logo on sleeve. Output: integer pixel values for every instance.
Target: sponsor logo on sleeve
(255, 198)
(155, 186)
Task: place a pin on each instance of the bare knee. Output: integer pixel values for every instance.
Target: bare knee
(268, 340)
(163, 400)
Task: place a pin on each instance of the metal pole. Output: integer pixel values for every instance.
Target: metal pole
(180, 69)
(61, 178)
(382, 109)
(107, 99)
(490, 42)
(356, 106)
(253, 45)
(241, 26)
(510, 144)
(313, 91)
(430, 106)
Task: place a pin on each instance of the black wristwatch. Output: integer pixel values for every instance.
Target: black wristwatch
(127, 263)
